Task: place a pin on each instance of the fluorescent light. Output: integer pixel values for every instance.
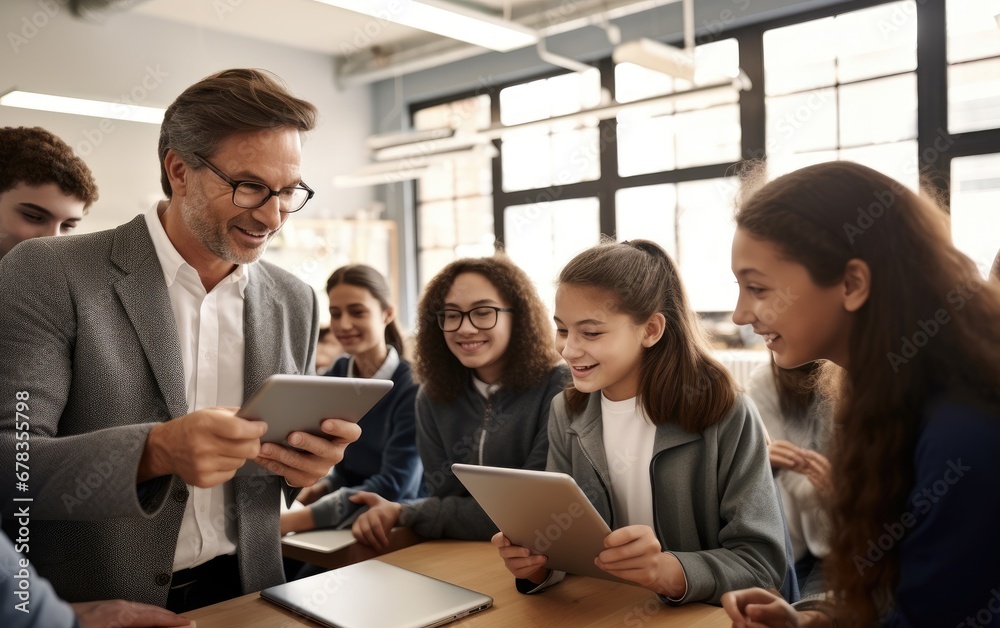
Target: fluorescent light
(444, 18)
(408, 169)
(81, 107)
(653, 55)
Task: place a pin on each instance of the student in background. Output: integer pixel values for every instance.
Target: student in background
(384, 459)
(487, 366)
(798, 420)
(910, 320)
(45, 190)
(657, 435)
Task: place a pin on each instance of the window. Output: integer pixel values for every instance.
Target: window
(695, 131)
(454, 203)
(974, 65)
(543, 237)
(844, 87)
(975, 208)
(568, 151)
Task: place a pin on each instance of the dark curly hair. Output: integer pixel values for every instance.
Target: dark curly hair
(531, 353)
(36, 157)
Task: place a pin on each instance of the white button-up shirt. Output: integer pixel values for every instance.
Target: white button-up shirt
(210, 331)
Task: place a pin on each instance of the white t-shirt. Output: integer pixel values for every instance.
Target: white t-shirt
(628, 445)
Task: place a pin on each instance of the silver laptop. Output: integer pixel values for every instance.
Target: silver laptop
(374, 593)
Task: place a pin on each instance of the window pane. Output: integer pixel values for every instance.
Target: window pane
(545, 98)
(783, 163)
(576, 156)
(468, 114)
(526, 156)
(974, 95)
(975, 207)
(648, 213)
(898, 160)
(437, 182)
(473, 176)
(800, 57)
(800, 123)
(437, 224)
(708, 137)
(432, 261)
(543, 237)
(883, 110)
(474, 221)
(705, 210)
(645, 144)
(972, 30)
(633, 82)
(877, 41)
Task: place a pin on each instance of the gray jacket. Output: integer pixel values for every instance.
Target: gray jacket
(88, 333)
(512, 433)
(714, 500)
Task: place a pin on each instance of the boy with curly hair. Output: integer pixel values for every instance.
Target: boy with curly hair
(45, 189)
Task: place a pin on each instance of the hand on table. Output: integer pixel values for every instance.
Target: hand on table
(120, 613)
(372, 527)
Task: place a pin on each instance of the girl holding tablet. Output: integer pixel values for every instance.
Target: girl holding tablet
(384, 460)
(487, 365)
(657, 435)
(877, 287)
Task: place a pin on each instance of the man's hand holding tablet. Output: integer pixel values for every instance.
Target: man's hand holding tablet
(296, 409)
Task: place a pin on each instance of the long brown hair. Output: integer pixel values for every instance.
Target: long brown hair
(929, 324)
(679, 380)
(364, 276)
(531, 353)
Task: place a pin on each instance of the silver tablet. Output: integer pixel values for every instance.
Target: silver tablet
(299, 403)
(543, 511)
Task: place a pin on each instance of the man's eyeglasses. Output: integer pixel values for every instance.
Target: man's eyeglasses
(253, 194)
(482, 318)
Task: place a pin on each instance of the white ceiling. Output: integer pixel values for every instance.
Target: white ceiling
(368, 47)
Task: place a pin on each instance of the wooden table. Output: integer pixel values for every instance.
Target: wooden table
(576, 602)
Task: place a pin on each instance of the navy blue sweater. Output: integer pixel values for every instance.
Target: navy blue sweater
(384, 459)
(950, 548)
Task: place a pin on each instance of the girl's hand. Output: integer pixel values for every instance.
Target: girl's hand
(818, 472)
(372, 528)
(785, 455)
(634, 553)
(520, 561)
(311, 493)
(758, 607)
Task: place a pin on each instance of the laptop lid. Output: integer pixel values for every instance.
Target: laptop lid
(375, 593)
(544, 511)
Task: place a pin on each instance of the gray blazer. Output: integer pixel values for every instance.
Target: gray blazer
(87, 332)
(714, 501)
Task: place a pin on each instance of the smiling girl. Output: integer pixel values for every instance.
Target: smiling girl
(837, 261)
(487, 366)
(657, 436)
(384, 459)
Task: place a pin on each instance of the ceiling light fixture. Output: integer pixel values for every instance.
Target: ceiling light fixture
(82, 107)
(446, 19)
